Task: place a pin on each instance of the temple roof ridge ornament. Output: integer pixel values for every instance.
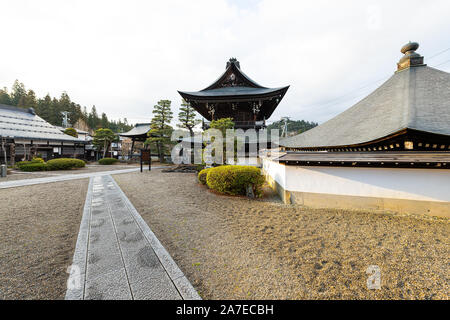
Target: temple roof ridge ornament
(235, 95)
(411, 58)
(234, 61)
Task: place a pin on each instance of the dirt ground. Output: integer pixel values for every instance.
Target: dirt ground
(237, 248)
(38, 231)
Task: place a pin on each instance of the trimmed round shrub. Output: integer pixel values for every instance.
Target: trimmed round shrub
(202, 175)
(22, 163)
(36, 166)
(234, 180)
(71, 132)
(65, 164)
(37, 160)
(107, 161)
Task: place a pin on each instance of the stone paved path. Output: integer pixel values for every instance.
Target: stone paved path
(117, 256)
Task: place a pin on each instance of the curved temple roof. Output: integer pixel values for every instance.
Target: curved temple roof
(139, 130)
(232, 91)
(233, 82)
(416, 97)
(234, 86)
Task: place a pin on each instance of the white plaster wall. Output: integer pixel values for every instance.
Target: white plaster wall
(410, 184)
(275, 170)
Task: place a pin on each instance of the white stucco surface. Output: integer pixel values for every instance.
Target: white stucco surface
(396, 183)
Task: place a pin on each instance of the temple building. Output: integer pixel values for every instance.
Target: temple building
(234, 95)
(390, 151)
(24, 134)
(137, 134)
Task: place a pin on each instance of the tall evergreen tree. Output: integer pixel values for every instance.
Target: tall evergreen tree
(18, 91)
(93, 120)
(187, 117)
(55, 113)
(44, 108)
(28, 100)
(4, 96)
(104, 123)
(84, 114)
(160, 130)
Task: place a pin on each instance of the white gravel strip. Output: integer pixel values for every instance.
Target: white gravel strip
(28, 182)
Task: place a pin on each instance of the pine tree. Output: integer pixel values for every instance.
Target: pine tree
(44, 108)
(104, 123)
(186, 117)
(28, 100)
(103, 138)
(93, 120)
(18, 91)
(55, 113)
(160, 130)
(4, 96)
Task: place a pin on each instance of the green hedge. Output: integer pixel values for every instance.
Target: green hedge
(202, 175)
(65, 164)
(33, 166)
(22, 163)
(107, 161)
(38, 164)
(234, 180)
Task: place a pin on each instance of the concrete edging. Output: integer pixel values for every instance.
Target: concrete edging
(81, 248)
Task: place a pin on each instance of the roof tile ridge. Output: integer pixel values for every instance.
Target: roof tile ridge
(411, 98)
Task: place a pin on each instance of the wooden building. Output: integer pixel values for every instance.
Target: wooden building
(389, 151)
(137, 134)
(24, 134)
(234, 95)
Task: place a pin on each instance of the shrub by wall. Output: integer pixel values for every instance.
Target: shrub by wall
(65, 164)
(234, 180)
(33, 166)
(202, 175)
(107, 161)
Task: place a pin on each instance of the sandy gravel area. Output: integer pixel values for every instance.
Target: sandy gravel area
(20, 175)
(233, 248)
(38, 231)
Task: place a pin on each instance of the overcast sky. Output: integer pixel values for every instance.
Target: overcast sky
(124, 56)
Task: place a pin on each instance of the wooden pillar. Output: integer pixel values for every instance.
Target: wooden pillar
(32, 150)
(132, 147)
(12, 153)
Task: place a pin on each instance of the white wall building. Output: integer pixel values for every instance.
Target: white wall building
(390, 151)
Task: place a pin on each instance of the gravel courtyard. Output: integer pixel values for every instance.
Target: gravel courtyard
(38, 232)
(236, 248)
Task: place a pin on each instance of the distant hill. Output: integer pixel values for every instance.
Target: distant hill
(294, 126)
(50, 108)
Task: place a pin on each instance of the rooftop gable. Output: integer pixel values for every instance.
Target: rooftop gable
(416, 97)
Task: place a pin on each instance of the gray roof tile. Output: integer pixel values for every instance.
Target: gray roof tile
(416, 98)
(20, 123)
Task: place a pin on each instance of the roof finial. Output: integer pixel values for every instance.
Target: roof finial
(233, 61)
(411, 58)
